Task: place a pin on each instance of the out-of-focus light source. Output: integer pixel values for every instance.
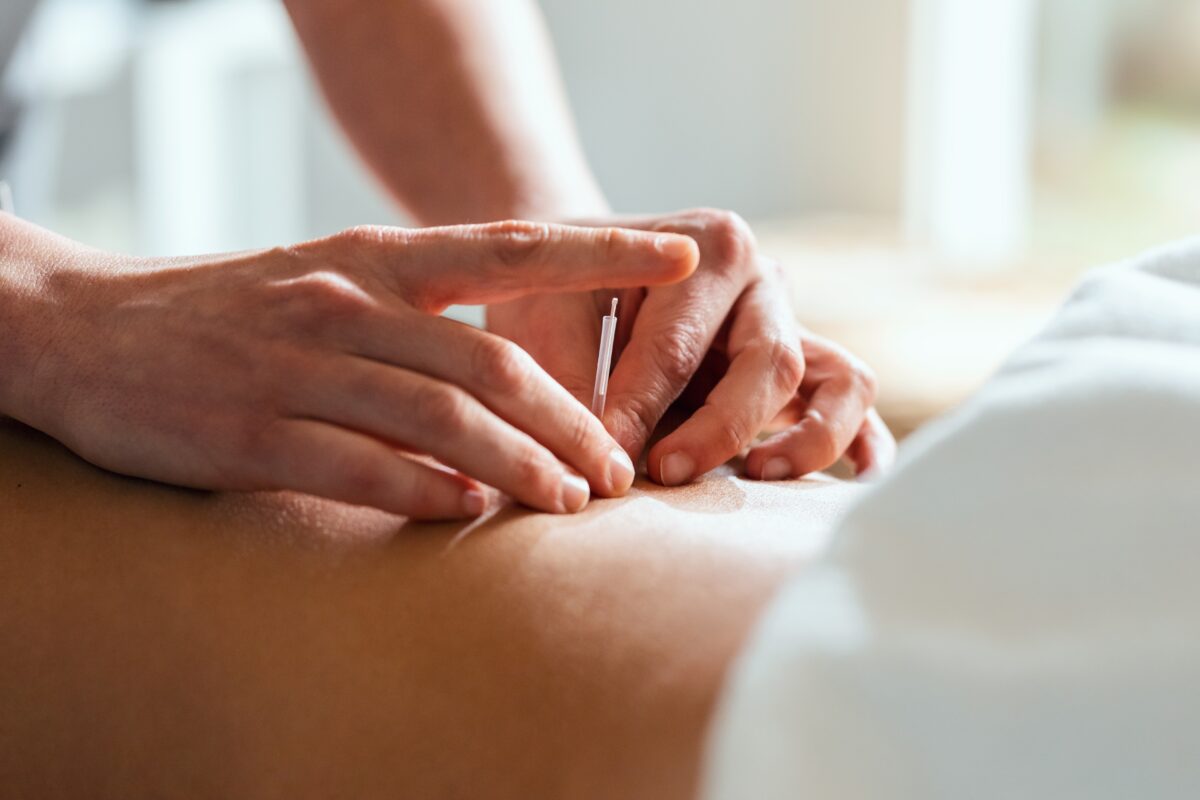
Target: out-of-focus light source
(968, 177)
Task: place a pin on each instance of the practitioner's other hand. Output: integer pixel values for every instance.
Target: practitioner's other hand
(324, 367)
(725, 344)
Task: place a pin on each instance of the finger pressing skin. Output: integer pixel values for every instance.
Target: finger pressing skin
(839, 390)
(874, 448)
(765, 371)
(674, 328)
(508, 382)
(498, 261)
(325, 460)
(399, 405)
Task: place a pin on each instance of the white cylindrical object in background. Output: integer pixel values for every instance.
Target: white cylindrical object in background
(968, 180)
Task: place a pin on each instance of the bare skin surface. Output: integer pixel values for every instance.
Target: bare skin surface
(166, 642)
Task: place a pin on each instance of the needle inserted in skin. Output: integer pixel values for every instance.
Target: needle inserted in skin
(608, 331)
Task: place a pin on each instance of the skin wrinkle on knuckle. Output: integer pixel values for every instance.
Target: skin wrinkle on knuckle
(580, 432)
(500, 366)
(379, 252)
(365, 235)
(436, 407)
(515, 242)
(609, 242)
(787, 363)
(531, 469)
(732, 434)
(678, 353)
(642, 411)
(674, 361)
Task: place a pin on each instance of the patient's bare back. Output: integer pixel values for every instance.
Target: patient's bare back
(175, 642)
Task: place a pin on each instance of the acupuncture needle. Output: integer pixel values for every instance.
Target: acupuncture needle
(608, 331)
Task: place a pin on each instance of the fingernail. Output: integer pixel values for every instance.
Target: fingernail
(620, 471)
(776, 469)
(673, 246)
(473, 503)
(676, 469)
(574, 492)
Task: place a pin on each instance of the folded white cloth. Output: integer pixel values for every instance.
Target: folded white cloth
(1015, 611)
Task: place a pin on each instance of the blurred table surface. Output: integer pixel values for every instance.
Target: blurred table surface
(933, 331)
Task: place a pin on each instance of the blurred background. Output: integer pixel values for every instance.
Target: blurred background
(934, 174)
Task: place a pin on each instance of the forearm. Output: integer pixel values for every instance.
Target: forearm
(31, 309)
(455, 104)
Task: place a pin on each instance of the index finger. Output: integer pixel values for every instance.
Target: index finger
(499, 261)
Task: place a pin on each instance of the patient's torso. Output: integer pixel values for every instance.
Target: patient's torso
(167, 634)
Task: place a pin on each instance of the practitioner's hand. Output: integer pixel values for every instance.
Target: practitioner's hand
(726, 344)
(313, 367)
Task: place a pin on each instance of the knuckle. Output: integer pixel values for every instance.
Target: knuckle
(732, 434)
(531, 470)
(580, 430)
(787, 363)
(609, 241)
(516, 241)
(500, 366)
(678, 355)
(730, 241)
(326, 296)
(439, 407)
(643, 411)
(362, 235)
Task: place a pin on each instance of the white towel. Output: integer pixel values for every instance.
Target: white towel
(1015, 611)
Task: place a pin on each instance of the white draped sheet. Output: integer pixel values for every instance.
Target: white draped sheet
(1015, 611)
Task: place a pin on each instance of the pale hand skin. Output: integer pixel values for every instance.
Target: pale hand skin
(312, 367)
(726, 345)
(457, 106)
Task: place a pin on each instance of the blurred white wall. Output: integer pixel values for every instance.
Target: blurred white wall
(189, 126)
(770, 107)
